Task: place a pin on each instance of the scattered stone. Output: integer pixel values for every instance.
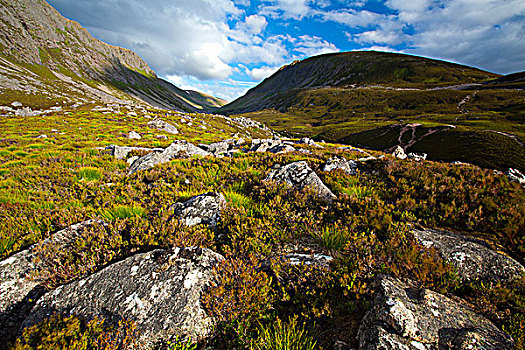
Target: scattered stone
(366, 159)
(134, 135)
(309, 142)
(17, 104)
(407, 318)
(300, 175)
(203, 209)
(162, 137)
(399, 153)
(457, 162)
(348, 166)
(417, 157)
(178, 149)
(43, 136)
(163, 126)
(132, 114)
(223, 147)
(515, 175)
(319, 260)
(471, 258)
(18, 293)
(159, 291)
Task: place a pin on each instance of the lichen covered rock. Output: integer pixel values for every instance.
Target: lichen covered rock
(407, 318)
(178, 149)
(300, 175)
(163, 126)
(203, 209)
(399, 153)
(472, 259)
(348, 166)
(159, 291)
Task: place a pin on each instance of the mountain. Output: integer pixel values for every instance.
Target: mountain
(46, 58)
(371, 99)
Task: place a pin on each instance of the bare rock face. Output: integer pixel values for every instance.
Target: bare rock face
(399, 153)
(160, 291)
(473, 260)
(348, 166)
(203, 209)
(300, 175)
(163, 126)
(515, 175)
(178, 149)
(407, 318)
(18, 292)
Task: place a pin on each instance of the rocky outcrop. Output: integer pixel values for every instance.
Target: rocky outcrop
(203, 209)
(407, 318)
(226, 147)
(348, 166)
(159, 291)
(18, 289)
(515, 175)
(300, 175)
(282, 148)
(121, 152)
(163, 126)
(472, 259)
(399, 153)
(178, 149)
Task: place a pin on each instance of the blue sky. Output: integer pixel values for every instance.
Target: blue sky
(224, 47)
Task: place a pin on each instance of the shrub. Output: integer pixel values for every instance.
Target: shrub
(73, 333)
(284, 336)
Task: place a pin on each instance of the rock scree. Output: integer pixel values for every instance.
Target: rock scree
(202, 209)
(348, 166)
(405, 317)
(300, 175)
(471, 258)
(159, 291)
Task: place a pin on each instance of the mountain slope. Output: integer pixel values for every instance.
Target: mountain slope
(351, 69)
(371, 99)
(41, 51)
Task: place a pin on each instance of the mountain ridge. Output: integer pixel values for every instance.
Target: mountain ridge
(36, 37)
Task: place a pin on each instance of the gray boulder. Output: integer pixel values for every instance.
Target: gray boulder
(133, 135)
(472, 259)
(224, 147)
(18, 289)
(348, 166)
(300, 175)
(263, 145)
(203, 209)
(163, 126)
(515, 175)
(121, 152)
(407, 318)
(282, 148)
(178, 149)
(399, 153)
(160, 291)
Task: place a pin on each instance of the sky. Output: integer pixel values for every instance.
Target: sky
(225, 47)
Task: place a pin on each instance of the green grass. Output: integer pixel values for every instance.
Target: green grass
(89, 174)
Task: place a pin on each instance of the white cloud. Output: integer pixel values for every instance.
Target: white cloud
(296, 9)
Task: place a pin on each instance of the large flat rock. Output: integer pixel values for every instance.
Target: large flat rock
(160, 291)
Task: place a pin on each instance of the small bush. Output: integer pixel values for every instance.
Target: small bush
(284, 336)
